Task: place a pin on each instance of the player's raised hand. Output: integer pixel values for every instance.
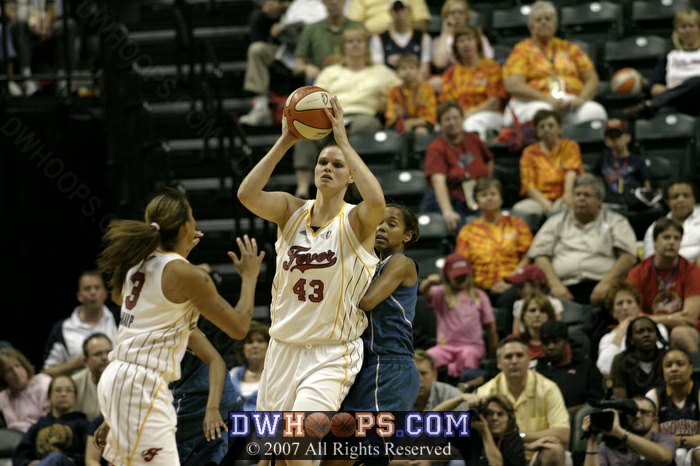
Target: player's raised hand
(250, 260)
(336, 117)
(197, 236)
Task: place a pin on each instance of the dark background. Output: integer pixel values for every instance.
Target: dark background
(54, 211)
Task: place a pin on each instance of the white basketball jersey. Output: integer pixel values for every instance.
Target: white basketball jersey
(153, 331)
(320, 278)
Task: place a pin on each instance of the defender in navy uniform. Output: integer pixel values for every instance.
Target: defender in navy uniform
(389, 380)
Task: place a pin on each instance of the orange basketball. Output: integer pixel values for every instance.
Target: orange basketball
(317, 425)
(304, 112)
(627, 81)
(343, 425)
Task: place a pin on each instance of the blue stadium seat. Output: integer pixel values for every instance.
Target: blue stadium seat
(640, 51)
(403, 186)
(509, 25)
(434, 233)
(589, 136)
(430, 259)
(593, 22)
(669, 143)
(381, 149)
(656, 16)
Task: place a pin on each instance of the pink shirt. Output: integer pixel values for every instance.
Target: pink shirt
(23, 410)
(463, 324)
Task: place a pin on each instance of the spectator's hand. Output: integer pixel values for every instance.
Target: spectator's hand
(586, 424)
(616, 430)
(452, 220)
(573, 104)
(311, 72)
(599, 292)
(547, 206)
(275, 30)
(544, 442)
(249, 263)
(500, 287)
(560, 291)
(213, 424)
(480, 425)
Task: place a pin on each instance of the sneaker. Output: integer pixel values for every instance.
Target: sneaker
(30, 87)
(257, 117)
(14, 89)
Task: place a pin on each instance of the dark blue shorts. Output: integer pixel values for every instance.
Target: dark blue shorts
(387, 383)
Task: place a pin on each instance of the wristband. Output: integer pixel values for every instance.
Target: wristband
(625, 435)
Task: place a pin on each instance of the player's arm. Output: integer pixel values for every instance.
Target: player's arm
(370, 212)
(183, 281)
(400, 270)
(204, 350)
(92, 453)
(274, 206)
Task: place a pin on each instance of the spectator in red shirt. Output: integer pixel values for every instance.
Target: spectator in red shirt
(453, 162)
(670, 286)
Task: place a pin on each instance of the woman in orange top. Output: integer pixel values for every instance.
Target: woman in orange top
(476, 83)
(546, 72)
(496, 244)
(548, 168)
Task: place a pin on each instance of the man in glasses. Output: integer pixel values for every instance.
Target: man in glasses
(635, 445)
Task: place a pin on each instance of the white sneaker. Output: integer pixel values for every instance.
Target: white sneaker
(14, 89)
(258, 116)
(30, 87)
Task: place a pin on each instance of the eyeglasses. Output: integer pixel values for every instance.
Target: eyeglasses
(64, 390)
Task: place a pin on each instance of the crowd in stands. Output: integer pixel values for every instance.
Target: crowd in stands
(561, 255)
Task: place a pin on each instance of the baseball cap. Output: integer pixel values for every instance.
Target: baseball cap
(456, 265)
(616, 124)
(529, 273)
(553, 329)
(394, 4)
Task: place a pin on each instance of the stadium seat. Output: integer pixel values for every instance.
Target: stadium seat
(656, 16)
(640, 52)
(424, 325)
(501, 52)
(434, 232)
(416, 157)
(504, 321)
(576, 314)
(580, 341)
(509, 25)
(589, 136)
(430, 260)
(593, 22)
(506, 169)
(379, 150)
(403, 186)
(669, 143)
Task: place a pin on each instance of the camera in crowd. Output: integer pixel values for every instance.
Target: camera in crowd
(602, 421)
(475, 412)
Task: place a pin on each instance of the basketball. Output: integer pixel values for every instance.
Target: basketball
(627, 81)
(304, 112)
(317, 425)
(343, 425)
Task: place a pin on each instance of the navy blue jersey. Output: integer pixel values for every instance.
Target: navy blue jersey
(675, 420)
(392, 50)
(390, 332)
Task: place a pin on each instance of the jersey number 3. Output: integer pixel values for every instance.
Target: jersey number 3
(316, 294)
(137, 280)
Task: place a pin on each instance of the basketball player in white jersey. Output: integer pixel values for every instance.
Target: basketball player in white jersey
(161, 295)
(325, 263)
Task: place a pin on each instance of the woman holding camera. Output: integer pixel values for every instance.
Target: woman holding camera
(678, 399)
(501, 443)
